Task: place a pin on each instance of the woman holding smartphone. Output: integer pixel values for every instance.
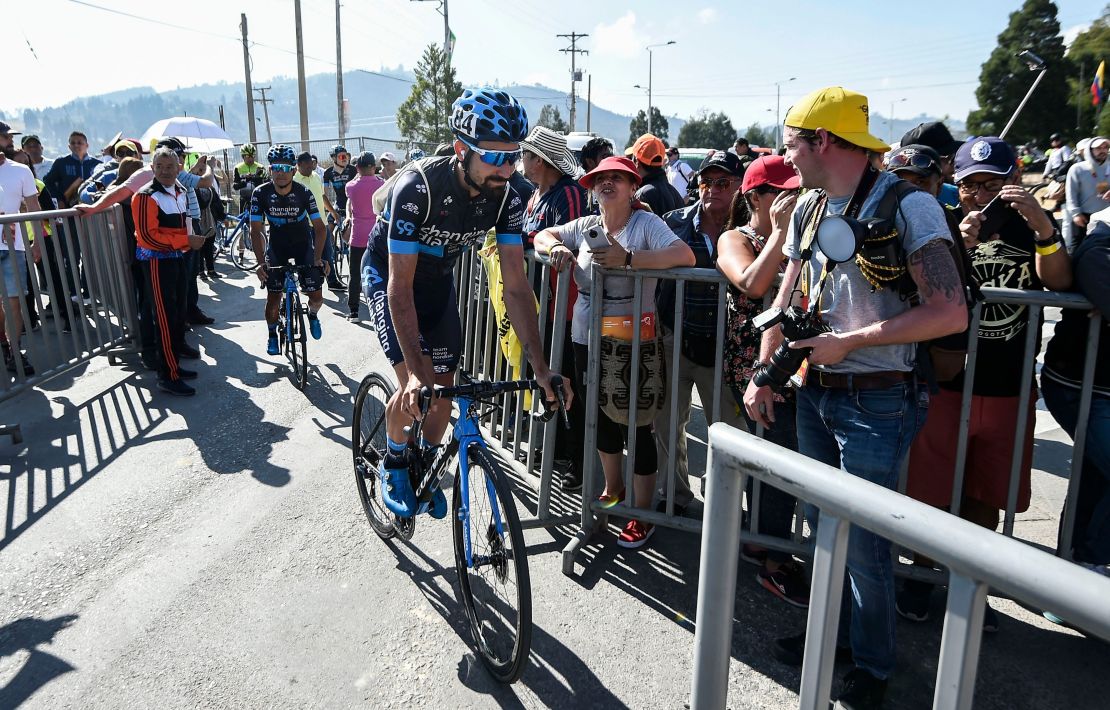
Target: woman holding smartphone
(625, 235)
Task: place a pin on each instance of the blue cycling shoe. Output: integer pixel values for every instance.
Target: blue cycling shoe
(397, 491)
(272, 345)
(314, 327)
(437, 508)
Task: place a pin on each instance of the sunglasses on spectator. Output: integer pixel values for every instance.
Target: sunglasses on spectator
(720, 183)
(969, 187)
(282, 168)
(770, 190)
(913, 160)
(495, 157)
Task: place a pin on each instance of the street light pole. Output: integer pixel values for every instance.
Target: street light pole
(649, 48)
(778, 110)
(890, 132)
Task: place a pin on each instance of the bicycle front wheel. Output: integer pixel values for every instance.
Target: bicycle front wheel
(368, 447)
(298, 342)
(493, 580)
(242, 251)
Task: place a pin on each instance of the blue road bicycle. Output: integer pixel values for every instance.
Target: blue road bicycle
(292, 335)
(490, 558)
(236, 241)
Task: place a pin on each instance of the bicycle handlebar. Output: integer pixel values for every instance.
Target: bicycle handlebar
(485, 389)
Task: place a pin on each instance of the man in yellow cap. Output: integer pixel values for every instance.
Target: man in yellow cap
(860, 403)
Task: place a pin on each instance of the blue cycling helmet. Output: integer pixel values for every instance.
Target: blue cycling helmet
(281, 153)
(339, 148)
(488, 115)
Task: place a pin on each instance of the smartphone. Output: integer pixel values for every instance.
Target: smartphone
(994, 215)
(596, 239)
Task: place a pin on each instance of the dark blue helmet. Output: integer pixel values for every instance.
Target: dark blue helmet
(339, 148)
(281, 153)
(488, 115)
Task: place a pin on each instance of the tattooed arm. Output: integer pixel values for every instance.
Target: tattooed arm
(943, 310)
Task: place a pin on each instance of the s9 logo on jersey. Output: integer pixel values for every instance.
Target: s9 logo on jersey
(405, 228)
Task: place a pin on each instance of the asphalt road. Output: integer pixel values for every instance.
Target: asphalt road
(212, 552)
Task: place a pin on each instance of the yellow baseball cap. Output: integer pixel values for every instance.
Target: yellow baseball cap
(838, 111)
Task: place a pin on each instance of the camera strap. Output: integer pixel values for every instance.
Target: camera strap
(813, 219)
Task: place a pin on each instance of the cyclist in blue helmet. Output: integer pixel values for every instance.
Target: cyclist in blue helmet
(296, 233)
(437, 208)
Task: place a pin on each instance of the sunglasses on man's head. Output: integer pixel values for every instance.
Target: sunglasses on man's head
(912, 159)
(282, 168)
(495, 157)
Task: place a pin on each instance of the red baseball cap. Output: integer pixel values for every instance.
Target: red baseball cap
(770, 170)
(611, 164)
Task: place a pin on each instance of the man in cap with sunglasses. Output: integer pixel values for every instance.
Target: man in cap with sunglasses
(435, 209)
(860, 403)
(936, 135)
(699, 226)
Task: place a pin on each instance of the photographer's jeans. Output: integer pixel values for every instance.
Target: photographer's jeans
(866, 433)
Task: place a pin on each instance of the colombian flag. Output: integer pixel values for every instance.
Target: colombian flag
(1098, 86)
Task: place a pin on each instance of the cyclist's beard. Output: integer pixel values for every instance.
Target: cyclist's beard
(490, 190)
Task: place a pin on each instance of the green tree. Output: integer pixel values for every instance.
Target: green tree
(757, 136)
(1004, 78)
(638, 126)
(423, 115)
(707, 130)
(1089, 48)
(550, 118)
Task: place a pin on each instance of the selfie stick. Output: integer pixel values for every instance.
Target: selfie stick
(1034, 63)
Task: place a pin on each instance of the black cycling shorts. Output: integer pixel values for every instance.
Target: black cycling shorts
(301, 254)
(437, 315)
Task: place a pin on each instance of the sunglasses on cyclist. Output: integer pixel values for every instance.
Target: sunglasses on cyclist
(282, 168)
(720, 183)
(913, 159)
(495, 157)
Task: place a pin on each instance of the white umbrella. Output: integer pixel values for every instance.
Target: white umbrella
(202, 136)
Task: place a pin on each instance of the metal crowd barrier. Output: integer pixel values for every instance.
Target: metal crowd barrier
(977, 559)
(90, 251)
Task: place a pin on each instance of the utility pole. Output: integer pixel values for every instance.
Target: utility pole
(339, 71)
(247, 75)
(778, 108)
(302, 91)
(266, 111)
(575, 75)
(442, 9)
(649, 48)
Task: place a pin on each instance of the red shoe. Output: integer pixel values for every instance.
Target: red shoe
(635, 534)
(610, 501)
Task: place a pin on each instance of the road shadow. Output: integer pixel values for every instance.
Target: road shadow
(554, 673)
(40, 668)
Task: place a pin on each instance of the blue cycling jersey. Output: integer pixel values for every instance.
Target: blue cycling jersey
(437, 219)
(290, 215)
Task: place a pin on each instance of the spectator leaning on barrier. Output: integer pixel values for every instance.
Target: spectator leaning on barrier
(17, 190)
(678, 172)
(699, 227)
(1026, 251)
(360, 213)
(655, 192)
(860, 405)
(163, 234)
(637, 240)
(1088, 187)
(557, 199)
(750, 256)
(1061, 378)
(39, 163)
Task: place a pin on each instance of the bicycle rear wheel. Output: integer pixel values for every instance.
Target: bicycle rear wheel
(242, 251)
(368, 447)
(298, 342)
(494, 586)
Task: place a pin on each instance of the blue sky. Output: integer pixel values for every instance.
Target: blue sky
(727, 56)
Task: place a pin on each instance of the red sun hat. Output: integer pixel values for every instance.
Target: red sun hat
(611, 164)
(770, 170)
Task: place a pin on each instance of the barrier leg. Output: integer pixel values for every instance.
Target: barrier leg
(826, 590)
(716, 585)
(959, 646)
